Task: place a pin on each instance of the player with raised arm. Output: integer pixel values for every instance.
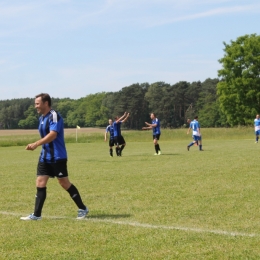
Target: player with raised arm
(118, 138)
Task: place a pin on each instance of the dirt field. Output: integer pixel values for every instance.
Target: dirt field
(67, 131)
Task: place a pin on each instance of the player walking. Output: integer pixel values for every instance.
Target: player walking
(155, 125)
(53, 158)
(196, 135)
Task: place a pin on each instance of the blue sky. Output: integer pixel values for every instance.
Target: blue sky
(73, 48)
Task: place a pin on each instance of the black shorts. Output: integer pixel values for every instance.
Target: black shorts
(157, 137)
(57, 169)
(119, 140)
(111, 142)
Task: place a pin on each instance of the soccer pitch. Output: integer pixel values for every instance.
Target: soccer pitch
(179, 205)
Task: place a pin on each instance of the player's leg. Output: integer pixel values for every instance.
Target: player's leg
(200, 143)
(123, 144)
(158, 146)
(116, 140)
(111, 144)
(61, 173)
(155, 142)
(192, 143)
(41, 184)
(256, 136)
(73, 191)
(41, 187)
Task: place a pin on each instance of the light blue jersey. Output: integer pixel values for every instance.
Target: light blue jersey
(257, 125)
(195, 126)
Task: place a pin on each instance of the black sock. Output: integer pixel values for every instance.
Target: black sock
(117, 150)
(39, 201)
(111, 151)
(159, 149)
(156, 148)
(122, 148)
(74, 194)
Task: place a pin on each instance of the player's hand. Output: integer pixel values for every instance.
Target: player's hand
(32, 146)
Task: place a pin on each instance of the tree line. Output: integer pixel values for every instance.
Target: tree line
(173, 104)
(230, 100)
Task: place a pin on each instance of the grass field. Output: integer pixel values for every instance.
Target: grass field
(180, 205)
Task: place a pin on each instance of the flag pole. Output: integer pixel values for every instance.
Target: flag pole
(77, 127)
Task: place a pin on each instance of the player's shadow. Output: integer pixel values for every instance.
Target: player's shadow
(106, 216)
(149, 155)
(168, 154)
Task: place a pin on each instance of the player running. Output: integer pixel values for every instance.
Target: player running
(257, 128)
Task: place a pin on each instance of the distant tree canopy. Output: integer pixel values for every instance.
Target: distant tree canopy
(239, 86)
(231, 100)
(173, 104)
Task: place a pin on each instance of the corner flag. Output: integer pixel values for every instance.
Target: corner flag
(78, 127)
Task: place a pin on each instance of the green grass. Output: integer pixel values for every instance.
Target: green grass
(134, 136)
(180, 205)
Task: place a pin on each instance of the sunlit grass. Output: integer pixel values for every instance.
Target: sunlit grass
(185, 205)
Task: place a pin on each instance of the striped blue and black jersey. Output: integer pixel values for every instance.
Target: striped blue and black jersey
(110, 129)
(117, 128)
(157, 128)
(55, 150)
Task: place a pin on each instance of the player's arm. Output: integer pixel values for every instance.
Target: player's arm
(105, 136)
(150, 125)
(147, 127)
(121, 118)
(125, 118)
(45, 140)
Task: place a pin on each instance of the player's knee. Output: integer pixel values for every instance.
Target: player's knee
(41, 181)
(65, 183)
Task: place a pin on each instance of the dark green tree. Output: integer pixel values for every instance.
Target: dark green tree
(31, 119)
(93, 106)
(77, 115)
(239, 86)
(64, 107)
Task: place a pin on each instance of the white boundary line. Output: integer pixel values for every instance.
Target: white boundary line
(137, 224)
